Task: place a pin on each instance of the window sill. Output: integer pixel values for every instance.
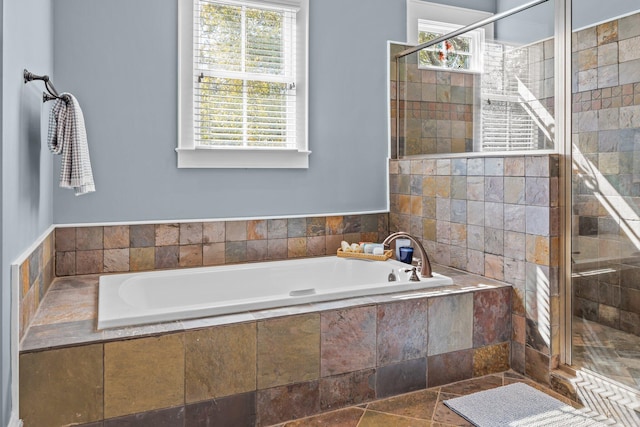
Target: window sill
(451, 70)
(233, 158)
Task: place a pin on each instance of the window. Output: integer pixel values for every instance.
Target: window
(243, 84)
(463, 52)
(513, 117)
(457, 16)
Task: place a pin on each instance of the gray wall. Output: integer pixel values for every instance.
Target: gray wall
(483, 5)
(119, 57)
(588, 12)
(538, 23)
(26, 163)
(529, 26)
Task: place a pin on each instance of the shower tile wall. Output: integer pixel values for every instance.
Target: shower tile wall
(494, 216)
(497, 217)
(439, 111)
(606, 181)
(436, 108)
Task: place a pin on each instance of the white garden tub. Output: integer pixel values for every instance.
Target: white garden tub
(160, 296)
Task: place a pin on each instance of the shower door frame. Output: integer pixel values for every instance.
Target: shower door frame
(563, 93)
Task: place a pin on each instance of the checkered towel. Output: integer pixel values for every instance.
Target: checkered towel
(68, 137)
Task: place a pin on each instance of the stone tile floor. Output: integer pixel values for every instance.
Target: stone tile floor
(606, 351)
(423, 408)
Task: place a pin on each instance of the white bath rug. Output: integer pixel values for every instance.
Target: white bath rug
(518, 405)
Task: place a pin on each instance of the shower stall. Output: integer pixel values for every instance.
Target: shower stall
(605, 226)
(551, 83)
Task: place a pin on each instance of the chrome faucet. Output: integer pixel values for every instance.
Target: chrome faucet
(426, 265)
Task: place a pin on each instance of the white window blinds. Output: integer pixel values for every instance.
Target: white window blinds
(513, 119)
(244, 70)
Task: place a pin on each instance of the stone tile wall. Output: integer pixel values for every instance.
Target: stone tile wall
(436, 108)
(36, 275)
(497, 217)
(123, 248)
(70, 251)
(268, 371)
(494, 215)
(606, 183)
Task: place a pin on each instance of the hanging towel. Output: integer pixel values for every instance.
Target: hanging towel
(68, 137)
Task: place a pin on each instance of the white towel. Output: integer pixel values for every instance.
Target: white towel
(68, 137)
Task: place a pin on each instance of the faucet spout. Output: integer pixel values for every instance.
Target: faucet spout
(426, 265)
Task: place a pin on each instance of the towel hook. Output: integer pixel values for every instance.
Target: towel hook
(53, 93)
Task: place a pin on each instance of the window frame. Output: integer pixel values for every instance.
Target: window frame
(475, 53)
(420, 9)
(192, 156)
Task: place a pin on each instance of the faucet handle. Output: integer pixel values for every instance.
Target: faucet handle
(414, 276)
(418, 264)
(392, 277)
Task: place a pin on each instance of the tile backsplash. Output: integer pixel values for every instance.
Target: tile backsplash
(123, 248)
(70, 251)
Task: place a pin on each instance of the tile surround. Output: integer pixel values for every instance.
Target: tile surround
(352, 388)
(237, 410)
(220, 362)
(202, 370)
(401, 331)
(288, 402)
(348, 340)
(498, 225)
(297, 358)
(450, 324)
(450, 367)
(491, 359)
(114, 249)
(144, 374)
(37, 273)
(62, 386)
(70, 251)
(491, 317)
(169, 417)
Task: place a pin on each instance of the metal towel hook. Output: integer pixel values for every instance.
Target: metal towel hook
(53, 93)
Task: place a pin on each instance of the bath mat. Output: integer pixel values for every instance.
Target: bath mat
(518, 405)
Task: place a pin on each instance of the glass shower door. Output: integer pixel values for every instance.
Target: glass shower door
(605, 209)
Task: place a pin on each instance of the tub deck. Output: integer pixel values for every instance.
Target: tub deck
(69, 311)
(263, 367)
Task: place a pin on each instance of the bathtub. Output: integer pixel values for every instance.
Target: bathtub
(161, 296)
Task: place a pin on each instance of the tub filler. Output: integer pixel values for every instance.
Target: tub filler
(161, 296)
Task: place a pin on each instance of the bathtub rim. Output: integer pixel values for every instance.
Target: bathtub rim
(107, 285)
